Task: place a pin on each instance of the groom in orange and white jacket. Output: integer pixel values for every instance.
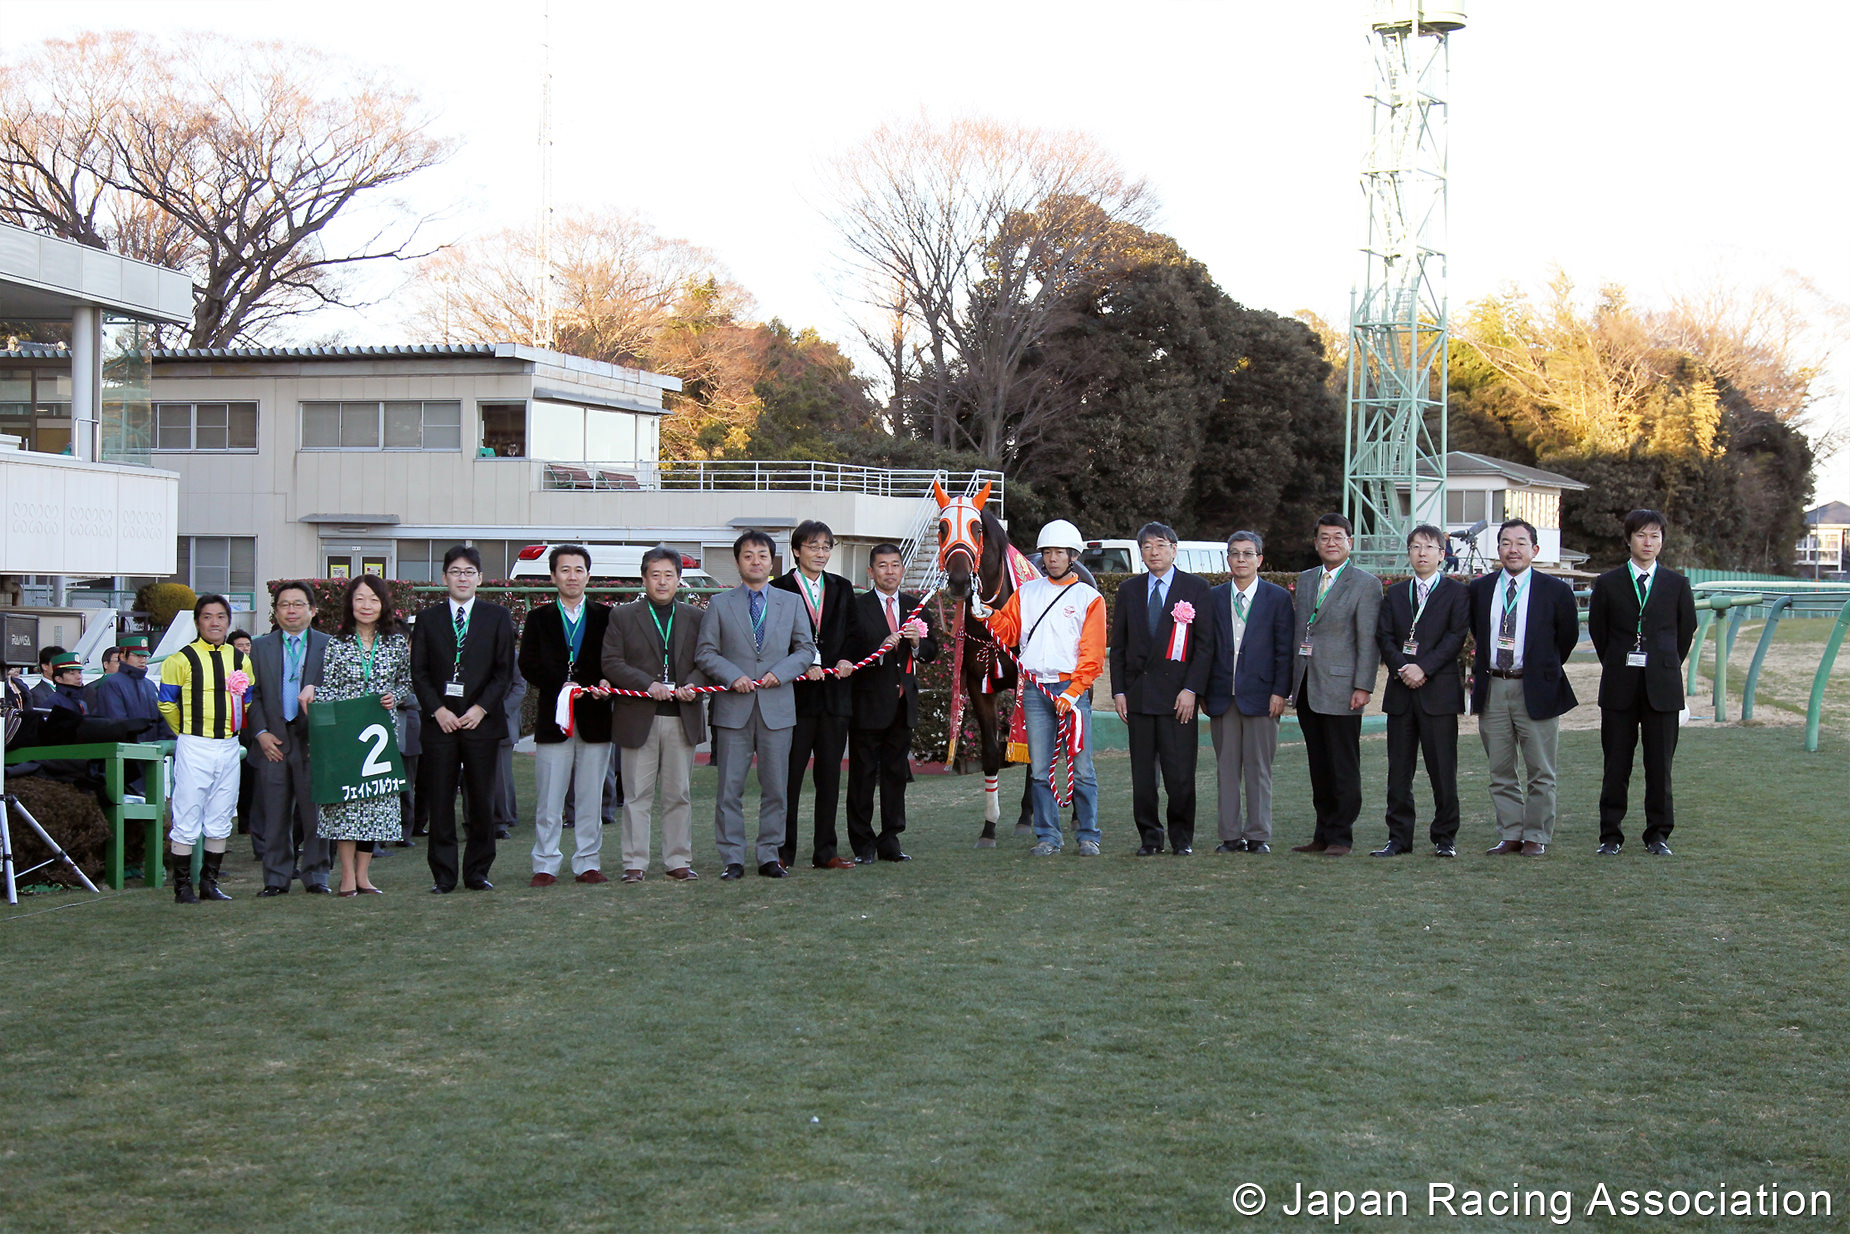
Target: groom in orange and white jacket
(1058, 624)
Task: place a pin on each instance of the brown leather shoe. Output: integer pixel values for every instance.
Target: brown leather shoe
(632, 876)
(1315, 846)
(1504, 848)
(1336, 850)
(1531, 849)
(683, 874)
(541, 880)
(592, 876)
(836, 863)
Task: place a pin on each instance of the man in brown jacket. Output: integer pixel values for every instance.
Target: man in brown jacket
(649, 645)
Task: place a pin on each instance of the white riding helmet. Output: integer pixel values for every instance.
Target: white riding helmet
(1061, 534)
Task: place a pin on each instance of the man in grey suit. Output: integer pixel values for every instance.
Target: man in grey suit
(286, 659)
(1336, 660)
(755, 639)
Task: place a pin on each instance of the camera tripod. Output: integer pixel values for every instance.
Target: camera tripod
(9, 862)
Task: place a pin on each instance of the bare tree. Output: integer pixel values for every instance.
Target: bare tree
(974, 231)
(616, 283)
(227, 160)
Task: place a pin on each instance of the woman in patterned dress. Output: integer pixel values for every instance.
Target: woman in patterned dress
(368, 656)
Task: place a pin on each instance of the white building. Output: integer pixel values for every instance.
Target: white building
(330, 462)
(1484, 490)
(1821, 552)
(79, 496)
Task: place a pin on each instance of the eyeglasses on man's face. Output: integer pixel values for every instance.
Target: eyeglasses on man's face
(463, 572)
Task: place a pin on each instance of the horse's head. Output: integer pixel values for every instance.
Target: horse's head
(960, 537)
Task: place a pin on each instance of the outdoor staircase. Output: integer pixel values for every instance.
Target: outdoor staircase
(921, 542)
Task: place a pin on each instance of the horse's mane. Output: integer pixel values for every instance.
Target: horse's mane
(994, 576)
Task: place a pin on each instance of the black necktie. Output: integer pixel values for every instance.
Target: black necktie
(1506, 656)
(1156, 604)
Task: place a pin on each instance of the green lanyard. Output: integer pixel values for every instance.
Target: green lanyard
(1643, 592)
(815, 600)
(1324, 592)
(574, 635)
(666, 632)
(1413, 597)
(366, 657)
(462, 636)
(1509, 601)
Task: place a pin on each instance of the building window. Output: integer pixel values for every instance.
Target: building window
(218, 564)
(395, 425)
(1466, 506)
(1538, 509)
(421, 561)
(205, 426)
(504, 430)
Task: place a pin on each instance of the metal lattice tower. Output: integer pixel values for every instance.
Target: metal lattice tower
(1395, 437)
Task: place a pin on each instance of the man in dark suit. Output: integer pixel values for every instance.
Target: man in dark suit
(462, 660)
(287, 658)
(1642, 620)
(562, 644)
(1162, 645)
(824, 698)
(886, 706)
(1421, 630)
(1249, 686)
(1526, 625)
(1333, 675)
(651, 645)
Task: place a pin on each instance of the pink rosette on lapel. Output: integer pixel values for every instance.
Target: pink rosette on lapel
(238, 685)
(1184, 613)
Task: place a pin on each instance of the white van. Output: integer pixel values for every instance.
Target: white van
(1122, 557)
(610, 563)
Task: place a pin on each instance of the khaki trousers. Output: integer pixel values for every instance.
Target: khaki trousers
(1507, 730)
(666, 757)
(1244, 747)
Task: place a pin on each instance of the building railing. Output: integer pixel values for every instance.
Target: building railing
(755, 475)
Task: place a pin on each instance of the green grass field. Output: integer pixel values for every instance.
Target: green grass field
(976, 1040)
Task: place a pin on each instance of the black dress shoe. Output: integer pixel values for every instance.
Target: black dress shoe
(1445, 850)
(267, 892)
(1187, 850)
(479, 884)
(503, 832)
(735, 870)
(1230, 846)
(1611, 850)
(1657, 848)
(438, 889)
(1393, 848)
(773, 869)
(1258, 846)
(404, 844)
(1150, 850)
(895, 857)
(865, 859)
(317, 889)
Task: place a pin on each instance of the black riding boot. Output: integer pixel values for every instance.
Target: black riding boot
(181, 870)
(208, 877)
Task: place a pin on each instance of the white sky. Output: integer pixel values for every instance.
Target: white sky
(1635, 141)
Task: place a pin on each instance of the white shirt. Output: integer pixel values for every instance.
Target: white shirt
(1239, 625)
(1525, 582)
(467, 610)
(1642, 577)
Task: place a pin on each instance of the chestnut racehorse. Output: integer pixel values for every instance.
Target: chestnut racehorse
(973, 552)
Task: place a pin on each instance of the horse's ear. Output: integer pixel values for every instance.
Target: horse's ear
(983, 494)
(937, 490)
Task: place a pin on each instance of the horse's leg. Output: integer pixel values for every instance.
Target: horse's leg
(983, 707)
